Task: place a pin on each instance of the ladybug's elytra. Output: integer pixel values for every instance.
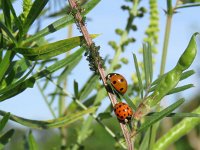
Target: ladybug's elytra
(118, 82)
(123, 112)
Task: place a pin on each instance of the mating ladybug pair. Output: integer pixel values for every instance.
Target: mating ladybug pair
(122, 110)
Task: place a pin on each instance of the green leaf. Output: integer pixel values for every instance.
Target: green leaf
(138, 75)
(104, 115)
(5, 138)
(76, 89)
(175, 115)
(5, 63)
(146, 63)
(20, 86)
(52, 49)
(161, 115)
(4, 121)
(68, 69)
(187, 74)
(129, 101)
(68, 19)
(31, 142)
(188, 5)
(55, 123)
(34, 12)
(6, 13)
(88, 87)
(181, 88)
(16, 70)
(7, 31)
(145, 141)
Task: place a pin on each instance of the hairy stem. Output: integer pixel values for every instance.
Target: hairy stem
(100, 69)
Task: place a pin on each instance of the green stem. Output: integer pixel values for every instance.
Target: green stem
(46, 100)
(165, 45)
(163, 59)
(62, 107)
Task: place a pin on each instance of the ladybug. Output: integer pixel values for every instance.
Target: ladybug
(118, 82)
(123, 112)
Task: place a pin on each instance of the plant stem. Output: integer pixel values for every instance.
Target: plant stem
(100, 68)
(165, 45)
(63, 130)
(46, 100)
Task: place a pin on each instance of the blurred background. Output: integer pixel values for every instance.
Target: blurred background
(103, 20)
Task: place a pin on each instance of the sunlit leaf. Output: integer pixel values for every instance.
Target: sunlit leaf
(161, 115)
(55, 123)
(53, 49)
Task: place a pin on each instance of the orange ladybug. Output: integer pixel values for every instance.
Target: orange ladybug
(118, 82)
(123, 112)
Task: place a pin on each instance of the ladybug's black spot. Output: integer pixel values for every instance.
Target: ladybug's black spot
(121, 89)
(127, 108)
(120, 105)
(114, 82)
(124, 110)
(122, 80)
(124, 114)
(119, 111)
(118, 115)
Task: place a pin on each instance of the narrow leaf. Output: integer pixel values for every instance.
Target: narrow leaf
(66, 20)
(187, 74)
(175, 115)
(181, 88)
(188, 5)
(161, 115)
(34, 12)
(4, 121)
(146, 65)
(129, 101)
(5, 138)
(55, 123)
(5, 63)
(76, 93)
(52, 49)
(31, 142)
(88, 87)
(138, 75)
(7, 31)
(6, 13)
(20, 86)
(149, 54)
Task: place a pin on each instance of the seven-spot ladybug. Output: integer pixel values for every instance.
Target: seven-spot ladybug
(118, 82)
(123, 112)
